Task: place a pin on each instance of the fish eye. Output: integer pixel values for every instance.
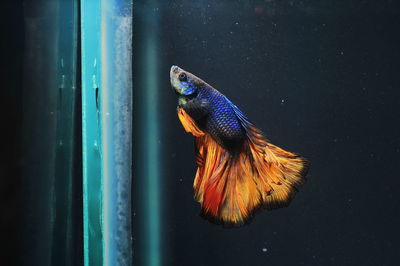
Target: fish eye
(182, 77)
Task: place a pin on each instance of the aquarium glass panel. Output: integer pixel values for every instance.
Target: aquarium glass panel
(106, 33)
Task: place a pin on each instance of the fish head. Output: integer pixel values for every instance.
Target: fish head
(183, 82)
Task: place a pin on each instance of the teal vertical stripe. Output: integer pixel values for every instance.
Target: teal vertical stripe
(151, 138)
(91, 134)
(148, 133)
(152, 161)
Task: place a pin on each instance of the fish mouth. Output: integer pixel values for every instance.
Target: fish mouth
(174, 69)
(174, 74)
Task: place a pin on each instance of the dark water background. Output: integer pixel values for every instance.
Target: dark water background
(321, 78)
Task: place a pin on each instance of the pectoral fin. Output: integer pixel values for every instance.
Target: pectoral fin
(188, 123)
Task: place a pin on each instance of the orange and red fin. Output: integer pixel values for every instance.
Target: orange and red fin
(280, 172)
(188, 123)
(230, 188)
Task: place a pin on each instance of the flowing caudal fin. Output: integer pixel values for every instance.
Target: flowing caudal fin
(230, 188)
(224, 184)
(278, 173)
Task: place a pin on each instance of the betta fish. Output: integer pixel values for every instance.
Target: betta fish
(239, 170)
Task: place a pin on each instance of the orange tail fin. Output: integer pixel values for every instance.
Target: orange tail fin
(230, 189)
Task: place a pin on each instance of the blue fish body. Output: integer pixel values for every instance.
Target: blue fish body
(214, 113)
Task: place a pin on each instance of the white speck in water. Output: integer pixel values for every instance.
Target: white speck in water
(180, 179)
(237, 23)
(264, 249)
(282, 101)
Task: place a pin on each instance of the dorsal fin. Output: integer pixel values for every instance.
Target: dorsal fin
(240, 115)
(254, 134)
